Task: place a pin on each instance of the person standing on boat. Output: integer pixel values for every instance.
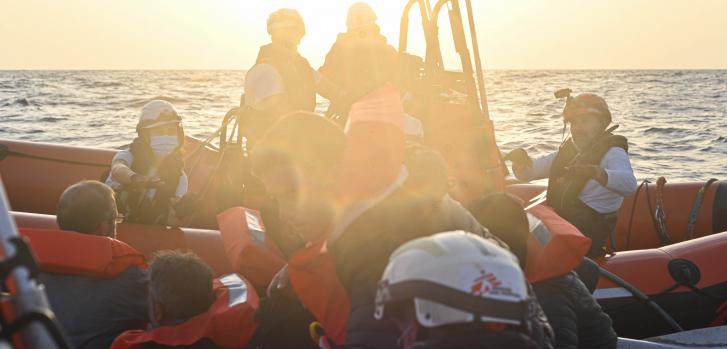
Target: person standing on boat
(280, 60)
(149, 177)
(360, 60)
(589, 175)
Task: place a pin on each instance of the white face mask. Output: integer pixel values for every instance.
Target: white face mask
(163, 145)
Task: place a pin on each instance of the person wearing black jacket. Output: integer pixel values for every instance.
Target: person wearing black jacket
(299, 161)
(576, 317)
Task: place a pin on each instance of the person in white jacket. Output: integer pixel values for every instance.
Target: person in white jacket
(589, 175)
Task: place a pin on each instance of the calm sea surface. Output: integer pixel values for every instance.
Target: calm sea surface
(676, 121)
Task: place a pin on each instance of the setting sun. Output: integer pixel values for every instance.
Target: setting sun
(225, 34)
(288, 174)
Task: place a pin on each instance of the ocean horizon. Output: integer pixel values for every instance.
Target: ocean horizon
(675, 119)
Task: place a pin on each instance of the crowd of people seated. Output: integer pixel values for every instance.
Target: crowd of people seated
(406, 265)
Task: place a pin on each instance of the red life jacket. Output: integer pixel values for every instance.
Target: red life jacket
(229, 322)
(312, 273)
(374, 144)
(555, 246)
(249, 251)
(66, 252)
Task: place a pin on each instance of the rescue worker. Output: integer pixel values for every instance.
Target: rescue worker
(92, 310)
(280, 60)
(577, 319)
(360, 60)
(458, 290)
(589, 175)
(149, 177)
(300, 161)
(265, 100)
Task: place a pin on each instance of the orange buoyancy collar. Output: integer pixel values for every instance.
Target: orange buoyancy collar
(555, 246)
(229, 322)
(67, 252)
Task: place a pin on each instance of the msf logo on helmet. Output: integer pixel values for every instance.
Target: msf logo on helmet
(484, 284)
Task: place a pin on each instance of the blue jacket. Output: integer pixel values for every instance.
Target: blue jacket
(93, 312)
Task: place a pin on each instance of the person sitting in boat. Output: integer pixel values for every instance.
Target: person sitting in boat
(589, 175)
(149, 177)
(577, 319)
(280, 60)
(93, 303)
(458, 290)
(430, 181)
(190, 309)
(300, 161)
(360, 60)
(180, 287)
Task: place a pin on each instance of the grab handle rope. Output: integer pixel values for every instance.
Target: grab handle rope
(695, 208)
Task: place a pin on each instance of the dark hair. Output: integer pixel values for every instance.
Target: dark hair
(504, 216)
(182, 283)
(84, 206)
(428, 171)
(303, 138)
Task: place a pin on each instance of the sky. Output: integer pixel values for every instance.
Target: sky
(226, 34)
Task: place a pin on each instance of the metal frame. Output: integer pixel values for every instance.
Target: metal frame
(29, 315)
(473, 73)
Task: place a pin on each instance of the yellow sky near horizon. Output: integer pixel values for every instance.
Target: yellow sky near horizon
(225, 34)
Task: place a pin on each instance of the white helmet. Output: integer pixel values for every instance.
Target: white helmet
(455, 278)
(360, 15)
(261, 82)
(158, 113)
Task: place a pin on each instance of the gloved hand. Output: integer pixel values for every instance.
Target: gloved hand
(586, 171)
(519, 157)
(521, 163)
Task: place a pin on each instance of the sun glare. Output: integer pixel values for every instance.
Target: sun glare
(324, 20)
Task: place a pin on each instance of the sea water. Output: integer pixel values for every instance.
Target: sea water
(676, 121)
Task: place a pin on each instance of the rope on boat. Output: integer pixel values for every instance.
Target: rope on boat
(660, 213)
(644, 183)
(695, 208)
(637, 294)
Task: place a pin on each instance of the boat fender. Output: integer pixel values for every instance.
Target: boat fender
(228, 323)
(248, 249)
(66, 252)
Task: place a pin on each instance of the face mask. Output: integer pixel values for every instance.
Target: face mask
(163, 145)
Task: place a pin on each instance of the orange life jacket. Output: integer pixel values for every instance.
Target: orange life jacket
(229, 322)
(374, 144)
(250, 252)
(66, 252)
(555, 246)
(312, 273)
